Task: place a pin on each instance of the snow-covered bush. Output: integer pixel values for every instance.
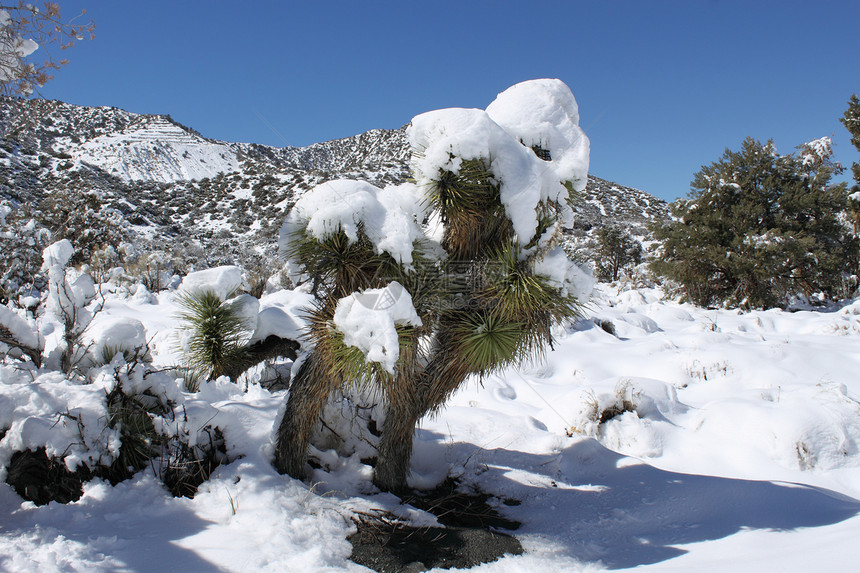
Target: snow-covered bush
(84, 218)
(69, 293)
(22, 240)
(62, 324)
(597, 409)
(60, 433)
(413, 308)
(154, 269)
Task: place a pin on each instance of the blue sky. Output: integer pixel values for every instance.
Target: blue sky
(663, 87)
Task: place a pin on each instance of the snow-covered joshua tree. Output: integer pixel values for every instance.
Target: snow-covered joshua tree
(422, 285)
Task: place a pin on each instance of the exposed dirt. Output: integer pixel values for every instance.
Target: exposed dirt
(387, 545)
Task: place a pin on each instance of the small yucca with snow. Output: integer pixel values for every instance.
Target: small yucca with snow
(216, 346)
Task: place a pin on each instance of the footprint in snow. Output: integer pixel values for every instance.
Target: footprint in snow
(505, 393)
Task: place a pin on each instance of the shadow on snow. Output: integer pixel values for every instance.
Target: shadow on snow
(132, 524)
(600, 505)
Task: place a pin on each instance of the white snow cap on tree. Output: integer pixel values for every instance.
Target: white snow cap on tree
(544, 113)
(389, 216)
(368, 319)
(445, 138)
(538, 112)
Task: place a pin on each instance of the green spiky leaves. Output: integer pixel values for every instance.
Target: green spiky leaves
(339, 266)
(508, 313)
(216, 346)
(487, 341)
(469, 203)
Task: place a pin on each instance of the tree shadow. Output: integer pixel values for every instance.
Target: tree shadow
(601, 506)
(128, 524)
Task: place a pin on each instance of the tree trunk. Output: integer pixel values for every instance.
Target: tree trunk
(309, 391)
(395, 444)
(409, 399)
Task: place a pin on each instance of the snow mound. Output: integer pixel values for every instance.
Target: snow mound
(282, 314)
(57, 254)
(223, 281)
(49, 412)
(116, 334)
(805, 427)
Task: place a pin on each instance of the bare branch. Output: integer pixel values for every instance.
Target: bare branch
(24, 29)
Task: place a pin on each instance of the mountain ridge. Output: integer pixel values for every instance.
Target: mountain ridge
(169, 183)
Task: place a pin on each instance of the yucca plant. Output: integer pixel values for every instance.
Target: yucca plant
(481, 303)
(482, 309)
(216, 346)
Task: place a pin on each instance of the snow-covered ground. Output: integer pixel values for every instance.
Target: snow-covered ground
(742, 454)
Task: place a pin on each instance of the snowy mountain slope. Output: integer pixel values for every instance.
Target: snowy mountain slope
(377, 150)
(608, 203)
(175, 187)
(157, 150)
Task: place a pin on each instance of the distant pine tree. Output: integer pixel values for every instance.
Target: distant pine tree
(851, 121)
(616, 250)
(759, 227)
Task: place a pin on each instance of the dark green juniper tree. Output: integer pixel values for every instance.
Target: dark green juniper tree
(616, 250)
(759, 227)
(851, 120)
(482, 301)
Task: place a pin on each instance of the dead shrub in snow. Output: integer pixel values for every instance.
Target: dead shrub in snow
(599, 409)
